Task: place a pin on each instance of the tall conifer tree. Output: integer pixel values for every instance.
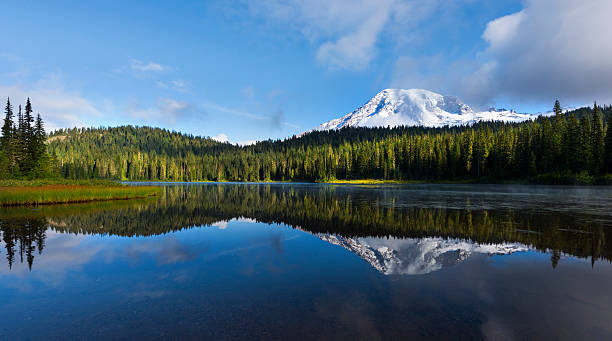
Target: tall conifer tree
(586, 155)
(7, 142)
(608, 156)
(559, 158)
(597, 141)
(572, 147)
(7, 127)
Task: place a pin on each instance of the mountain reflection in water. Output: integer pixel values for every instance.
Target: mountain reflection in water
(396, 229)
(308, 261)
(412, 256)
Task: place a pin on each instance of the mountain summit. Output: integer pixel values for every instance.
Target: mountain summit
(417, 107)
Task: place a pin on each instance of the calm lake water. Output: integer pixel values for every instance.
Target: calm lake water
(286, 261)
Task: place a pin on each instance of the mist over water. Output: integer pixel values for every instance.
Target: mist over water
(313, 261)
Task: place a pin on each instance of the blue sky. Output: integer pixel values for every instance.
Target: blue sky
(273, 68)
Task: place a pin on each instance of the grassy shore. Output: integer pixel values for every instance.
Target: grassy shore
(41, 192)
(543, 179)
(369, 182)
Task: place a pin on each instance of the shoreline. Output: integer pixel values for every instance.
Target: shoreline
(38, 193)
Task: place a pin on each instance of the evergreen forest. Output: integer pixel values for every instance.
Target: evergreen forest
(23, 148)
(553, 149)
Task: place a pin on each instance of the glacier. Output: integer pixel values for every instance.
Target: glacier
(418, 107)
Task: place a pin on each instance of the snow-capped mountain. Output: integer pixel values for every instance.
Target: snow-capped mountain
(394, 256)
(416, 107)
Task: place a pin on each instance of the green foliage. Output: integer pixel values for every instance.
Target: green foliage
(22, 146)
(608, 153)
(319, 209)
(487, 150)
(58, 194)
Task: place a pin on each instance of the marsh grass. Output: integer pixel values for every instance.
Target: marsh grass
(41, 192)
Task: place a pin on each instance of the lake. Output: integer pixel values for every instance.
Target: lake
(309, 261)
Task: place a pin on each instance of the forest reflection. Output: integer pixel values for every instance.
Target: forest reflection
(336, 210)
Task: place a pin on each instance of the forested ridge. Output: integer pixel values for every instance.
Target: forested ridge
(566, 144)
(562, 147)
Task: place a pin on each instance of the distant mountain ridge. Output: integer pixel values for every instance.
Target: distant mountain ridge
(418, 107)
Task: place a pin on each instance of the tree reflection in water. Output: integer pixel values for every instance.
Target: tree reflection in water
(345, 211)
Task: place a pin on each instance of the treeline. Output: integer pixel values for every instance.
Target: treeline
(23, 151)
(132, 153)
(565, 145)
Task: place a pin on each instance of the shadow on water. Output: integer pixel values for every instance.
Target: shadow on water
(570, 221)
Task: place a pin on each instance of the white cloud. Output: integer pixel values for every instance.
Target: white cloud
(138, 65)
(171, 107)
(355, 48)
(179, 85)
(276, 121)
(503, 30)
(552, 48)
(345, 30)
(58, 107)
(166, 110)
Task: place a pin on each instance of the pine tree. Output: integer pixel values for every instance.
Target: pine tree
(559, 130)
(548, 144)
(29, 139)
(7, 127)
(585, 156)
(608, 156)
(40, 155)
(7, 156)
(19, 150)
(597, 141)
(572, 147)
(28, 120)
(557, 108)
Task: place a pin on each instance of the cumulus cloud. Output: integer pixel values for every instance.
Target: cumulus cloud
(551, 48)
(138, 65)
(59, 108)
(346, 31)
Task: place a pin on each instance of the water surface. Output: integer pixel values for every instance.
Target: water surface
(279, 261)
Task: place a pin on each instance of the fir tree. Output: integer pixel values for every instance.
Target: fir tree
(585, 156)
(7, 127)
(608, 156)
(19, 150)
(7, 156)
(40, 156)
(28, 120)
(557, 108)
(572, 147)
(559, 129)
(597, 141)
